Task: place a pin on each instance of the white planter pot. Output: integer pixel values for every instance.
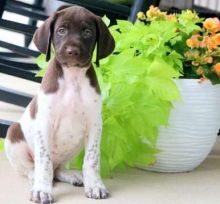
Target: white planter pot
(193, 127)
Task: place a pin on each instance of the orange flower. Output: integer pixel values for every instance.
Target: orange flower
(171, 17)
(189, 43)
(212, 24)
(203, 43)
(216, 69)
(196, 64)
(216, 39)
(193, 41)
(200, 71)
(210, 43)
(209, 60)
(155, 13)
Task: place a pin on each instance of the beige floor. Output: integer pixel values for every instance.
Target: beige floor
(201, 186)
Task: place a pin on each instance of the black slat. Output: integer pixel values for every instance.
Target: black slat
(22, 65)
(14, 97)
(102, 7)
(11, 55)
(25, 12)
(17, 27)
(19, 73)
(206, 12)
(2, 6)
(4, 124)
(18, 49)
(25, 5)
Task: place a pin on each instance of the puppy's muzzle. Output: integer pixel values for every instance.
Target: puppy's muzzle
(72, 51)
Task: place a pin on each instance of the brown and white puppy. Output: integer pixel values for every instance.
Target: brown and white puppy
(66, 113)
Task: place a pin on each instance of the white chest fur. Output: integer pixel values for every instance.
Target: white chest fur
(74, 105)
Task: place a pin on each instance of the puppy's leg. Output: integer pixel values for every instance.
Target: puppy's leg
(18, 152)
(43, 172)
(69, 176)
(94, 187)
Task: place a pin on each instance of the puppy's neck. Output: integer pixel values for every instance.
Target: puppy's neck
(73, 74)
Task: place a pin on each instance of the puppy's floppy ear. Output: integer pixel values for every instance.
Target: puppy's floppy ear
(43, 36)
(105, 41)
(63, 7)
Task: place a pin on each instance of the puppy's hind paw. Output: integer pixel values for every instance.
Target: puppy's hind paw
(77, 182)
(69, 176)
(96, 192)
(41, 197)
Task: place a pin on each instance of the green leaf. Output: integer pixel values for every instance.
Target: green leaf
(106, 20)
(124, 25)
(176, 60)
(41, 73)
(163, 88)
(1, 145)
(160, 68)
(41, 61)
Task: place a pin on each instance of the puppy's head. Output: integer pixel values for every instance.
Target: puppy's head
(74, 32)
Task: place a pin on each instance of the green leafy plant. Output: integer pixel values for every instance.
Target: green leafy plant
(137, 91)
(197, 40)
(1, 145)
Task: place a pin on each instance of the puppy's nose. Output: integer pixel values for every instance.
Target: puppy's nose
(72, 51)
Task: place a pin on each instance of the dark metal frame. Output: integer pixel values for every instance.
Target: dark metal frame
(4, 124)
(18, 72)
(35, 6)
(17, 64)
(25, 12)
(114, 10)
(13, 97)
(18, 49)
(103, 7)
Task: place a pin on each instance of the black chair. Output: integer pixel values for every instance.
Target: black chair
(114, 11)
(18, 60)
(13, 62)
(34, 12)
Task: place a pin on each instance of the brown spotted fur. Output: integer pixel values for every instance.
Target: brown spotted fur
(50, 83)
(33, 107)
(15, 133)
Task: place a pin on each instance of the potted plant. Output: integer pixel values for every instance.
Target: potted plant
(195, 119)
(147, 108)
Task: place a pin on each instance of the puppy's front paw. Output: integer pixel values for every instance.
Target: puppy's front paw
(96, 191)
(41, 197)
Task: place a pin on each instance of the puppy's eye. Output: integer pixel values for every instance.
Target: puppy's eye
(61, 31)
(87, 33)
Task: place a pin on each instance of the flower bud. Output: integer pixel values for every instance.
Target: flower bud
(141, 15)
